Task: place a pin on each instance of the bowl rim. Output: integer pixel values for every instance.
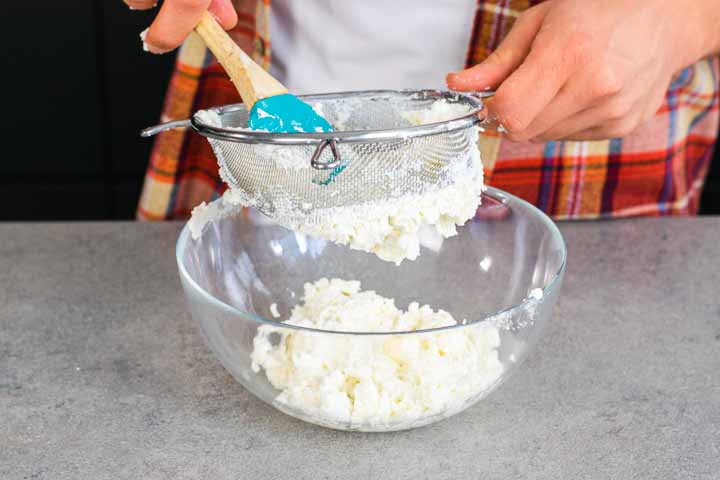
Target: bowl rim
(494, 193)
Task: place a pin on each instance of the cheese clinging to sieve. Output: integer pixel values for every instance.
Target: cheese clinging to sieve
(391, 228)
(394, 229)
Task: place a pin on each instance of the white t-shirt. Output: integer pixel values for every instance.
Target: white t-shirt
(335, 45)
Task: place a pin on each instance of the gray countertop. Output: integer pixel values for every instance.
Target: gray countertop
(103, 374)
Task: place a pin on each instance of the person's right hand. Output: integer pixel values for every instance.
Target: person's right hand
(177, 18)
(591, 69)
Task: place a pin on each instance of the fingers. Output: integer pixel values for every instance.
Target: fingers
(616, 129)
(597, 119)
(177, 18)
(225, 13)
(616, 117)
(560, 117)
(527, 92)
(140, 4)
(558, 91)
(558, 125)
(505, 59)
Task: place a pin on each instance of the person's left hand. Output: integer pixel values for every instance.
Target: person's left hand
(591, 69)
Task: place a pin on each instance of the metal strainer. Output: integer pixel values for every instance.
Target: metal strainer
(376, 153)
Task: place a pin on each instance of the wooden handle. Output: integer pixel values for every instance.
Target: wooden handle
(251, 80)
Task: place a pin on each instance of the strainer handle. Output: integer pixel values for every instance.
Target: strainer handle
(489, 120)
(482, 95)
(152, 131)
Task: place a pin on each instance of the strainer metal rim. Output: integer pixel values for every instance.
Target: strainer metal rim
(474, 117)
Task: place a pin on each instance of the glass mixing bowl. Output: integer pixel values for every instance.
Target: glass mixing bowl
(501, 274)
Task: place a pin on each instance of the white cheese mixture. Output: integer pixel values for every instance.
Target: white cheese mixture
(374, 380)
(393, 229)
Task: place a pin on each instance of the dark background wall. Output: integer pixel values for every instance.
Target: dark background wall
(77, 89)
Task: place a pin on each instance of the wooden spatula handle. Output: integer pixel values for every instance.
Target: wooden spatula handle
(251, 80)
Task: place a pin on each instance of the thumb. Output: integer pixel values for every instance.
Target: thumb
(177, 18)
(225, 13)
(505, 59)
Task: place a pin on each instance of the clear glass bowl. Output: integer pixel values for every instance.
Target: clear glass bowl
(244, 267)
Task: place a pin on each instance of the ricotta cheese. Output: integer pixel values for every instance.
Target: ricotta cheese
(391, 381)
(393, 229)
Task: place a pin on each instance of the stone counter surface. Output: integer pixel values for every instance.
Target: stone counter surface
(104, 375)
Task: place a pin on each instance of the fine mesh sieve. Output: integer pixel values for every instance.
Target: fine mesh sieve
(377, 152)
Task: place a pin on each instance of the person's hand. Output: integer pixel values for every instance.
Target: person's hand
(590, 69)
(177, 18)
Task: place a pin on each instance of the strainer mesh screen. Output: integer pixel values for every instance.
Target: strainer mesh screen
(280, 182)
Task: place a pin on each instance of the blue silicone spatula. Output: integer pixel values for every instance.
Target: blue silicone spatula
(270, 105)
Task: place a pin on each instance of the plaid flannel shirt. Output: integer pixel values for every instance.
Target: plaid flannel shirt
(658, 170)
